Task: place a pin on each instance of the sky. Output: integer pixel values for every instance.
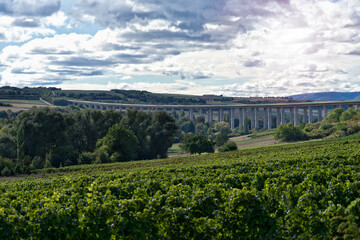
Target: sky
(230, 47)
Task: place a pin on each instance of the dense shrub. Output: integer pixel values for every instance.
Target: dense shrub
(229, 146)
(221, 139)
(289, 132)
(197, 144)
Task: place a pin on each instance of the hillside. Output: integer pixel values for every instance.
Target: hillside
(307, 190)
(328, 96)
(59, 97)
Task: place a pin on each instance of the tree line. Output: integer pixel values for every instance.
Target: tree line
(54, 137)
(338, 123)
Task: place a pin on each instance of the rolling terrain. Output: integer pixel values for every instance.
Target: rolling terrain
(328, 96)
(301, 190)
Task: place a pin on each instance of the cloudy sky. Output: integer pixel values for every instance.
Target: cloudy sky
(230, 47)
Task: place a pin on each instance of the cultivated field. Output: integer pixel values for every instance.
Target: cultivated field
(21, 105)
(305, 190)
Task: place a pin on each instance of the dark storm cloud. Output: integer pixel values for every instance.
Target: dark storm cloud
(117, 47)
(82, 61)
(253, 63)
(188, 17)
(21, 71)
(82, 72)
(165, 34)
(29, 8)
(27, 23)
(50, 51)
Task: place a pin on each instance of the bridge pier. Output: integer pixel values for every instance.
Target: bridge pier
(239, 112)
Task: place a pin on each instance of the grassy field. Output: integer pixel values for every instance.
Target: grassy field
(21, 105)
(265, 138)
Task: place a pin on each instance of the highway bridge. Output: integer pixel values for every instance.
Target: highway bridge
(270, 115)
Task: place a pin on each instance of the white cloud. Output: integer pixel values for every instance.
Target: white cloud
(57, 19)
(277, 47)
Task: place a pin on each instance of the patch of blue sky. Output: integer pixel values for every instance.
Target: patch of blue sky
(82, 28)
(5, 44)
(66, 5)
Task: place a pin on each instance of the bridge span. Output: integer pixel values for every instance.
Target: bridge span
(270, 115)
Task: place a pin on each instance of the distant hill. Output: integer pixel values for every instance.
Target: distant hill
(328, 96)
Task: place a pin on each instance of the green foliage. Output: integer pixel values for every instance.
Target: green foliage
(155, 132)
(6, 166)
(347, 115)
(197, 144)
(334, 115)
(222, 127)
(229, 146)
(297, 191)
(338, 123)
(162, 133)
(221, 139)
(289, 132)
(119, 141)
(8, 146)
(37, 163)
(60, 102)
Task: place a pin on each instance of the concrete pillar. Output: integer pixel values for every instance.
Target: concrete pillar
(266, 117)
(210, 115)
(292, 115)
(305, 115)
(253, 115)
(256, 117)
(181, 111)
(320, 113)
(172, 110)
(191, 114)
(278, 117)
(269, 118)
(232, 118)
(325, 111)
(282, 112)
(221, 115)
(296, 116)
(199, 111)
(310, 114)
(241, 116)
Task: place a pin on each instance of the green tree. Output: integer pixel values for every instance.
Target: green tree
(348, 115)
(86, 127)
(120, 142)
(222, 127)
(197, 144)
(162, 133)
(334, 115)
(7, 146)
(221, 139)
(40, 130)
(140, 124)
(289, 132)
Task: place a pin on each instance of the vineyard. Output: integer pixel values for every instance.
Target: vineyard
(297, 191)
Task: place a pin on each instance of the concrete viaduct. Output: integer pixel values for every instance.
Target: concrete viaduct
(272, 115)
